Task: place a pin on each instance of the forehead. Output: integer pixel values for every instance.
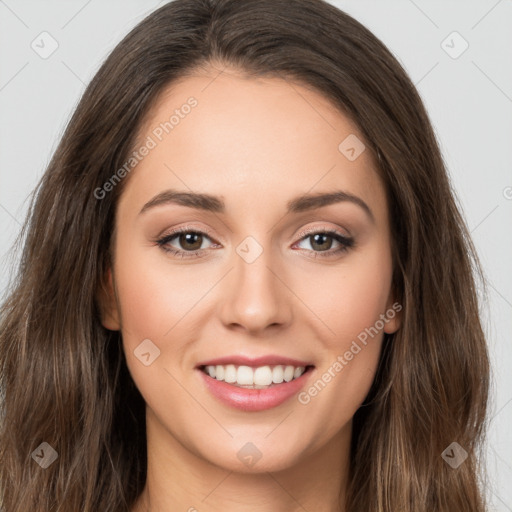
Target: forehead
(250, 140)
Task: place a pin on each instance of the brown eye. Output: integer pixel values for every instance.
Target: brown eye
(321, 241)
(191, 241)
(185, 243)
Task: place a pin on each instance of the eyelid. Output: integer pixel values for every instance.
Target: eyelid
(187, 229)
(322, 229)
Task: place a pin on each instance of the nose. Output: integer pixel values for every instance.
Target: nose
(254, 297)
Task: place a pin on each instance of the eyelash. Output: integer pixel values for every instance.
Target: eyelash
(345, 242)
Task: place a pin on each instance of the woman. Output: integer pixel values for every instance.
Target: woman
(316, 347)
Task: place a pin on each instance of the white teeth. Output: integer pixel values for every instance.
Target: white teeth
(288, 373)
(261, 377)
(245, 376)
(219, 372)
(229, 373)
(277, 374)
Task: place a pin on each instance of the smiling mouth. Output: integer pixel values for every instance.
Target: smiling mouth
(261, 377)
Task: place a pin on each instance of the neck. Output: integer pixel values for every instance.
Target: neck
(178, 479)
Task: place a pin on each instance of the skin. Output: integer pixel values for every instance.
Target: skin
(257, 143)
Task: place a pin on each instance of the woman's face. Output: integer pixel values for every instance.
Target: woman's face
(233, 169)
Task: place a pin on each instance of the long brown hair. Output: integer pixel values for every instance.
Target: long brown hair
(63, 376)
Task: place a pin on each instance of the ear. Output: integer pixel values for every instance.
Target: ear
(393, 314)
(107, 302)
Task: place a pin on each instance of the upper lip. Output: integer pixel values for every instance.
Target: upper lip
(268, 360)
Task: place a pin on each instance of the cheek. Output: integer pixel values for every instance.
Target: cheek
(159, 301)
(153, 305)
(362, 297)
(147, 302)
(351, 304)
(154, 293)
(152, 301)
(350, 298)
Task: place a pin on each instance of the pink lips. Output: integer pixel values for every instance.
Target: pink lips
(252, 400)
(270, 360)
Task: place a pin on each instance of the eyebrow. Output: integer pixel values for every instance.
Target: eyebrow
(216, 204)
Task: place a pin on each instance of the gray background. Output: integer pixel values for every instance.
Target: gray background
(469, 99)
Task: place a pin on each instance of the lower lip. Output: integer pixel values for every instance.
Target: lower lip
(252, 400)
